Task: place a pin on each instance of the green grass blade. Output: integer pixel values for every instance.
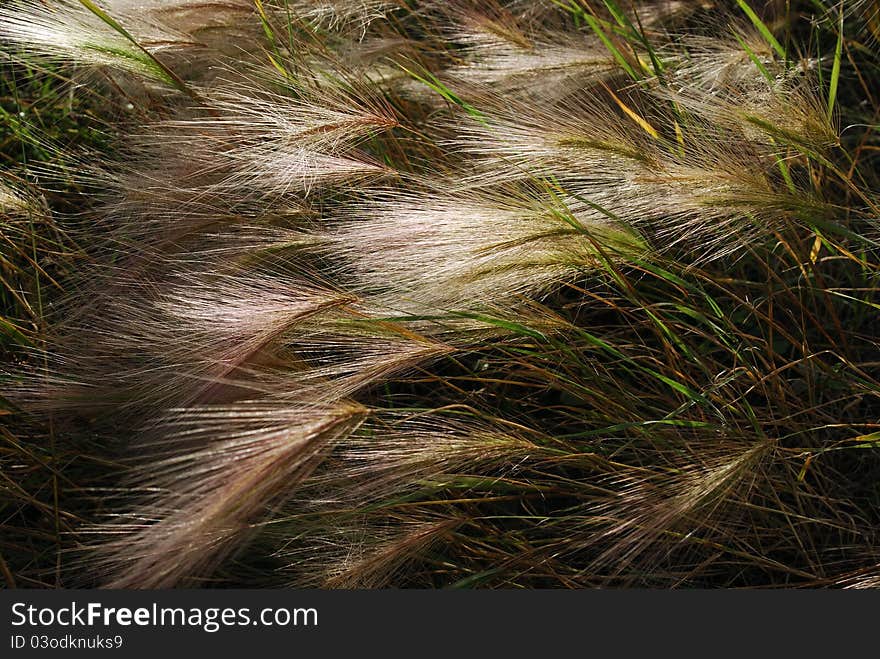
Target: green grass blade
(835, 70)
(163, 70)
(615, 52)
(636, 33)
(762, 28)
(757, 62)
(434, 83)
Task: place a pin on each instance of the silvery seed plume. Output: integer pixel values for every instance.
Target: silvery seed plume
(392, 455)
(697, 186)
(226, 468)
(392, 451)
(140, 322)
(188, 16)
(362, 555)
(712, 487)
(68, 31)
(267, 145)
(338, 14)
(721, 82)
(485, 246)
(550, 65)
(517, 56)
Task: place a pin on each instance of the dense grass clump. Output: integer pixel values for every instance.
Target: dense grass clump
(521, 293)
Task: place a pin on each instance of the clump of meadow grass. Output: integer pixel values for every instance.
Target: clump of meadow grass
(502, 294)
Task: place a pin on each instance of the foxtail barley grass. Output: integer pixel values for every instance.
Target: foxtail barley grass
(520, 293)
